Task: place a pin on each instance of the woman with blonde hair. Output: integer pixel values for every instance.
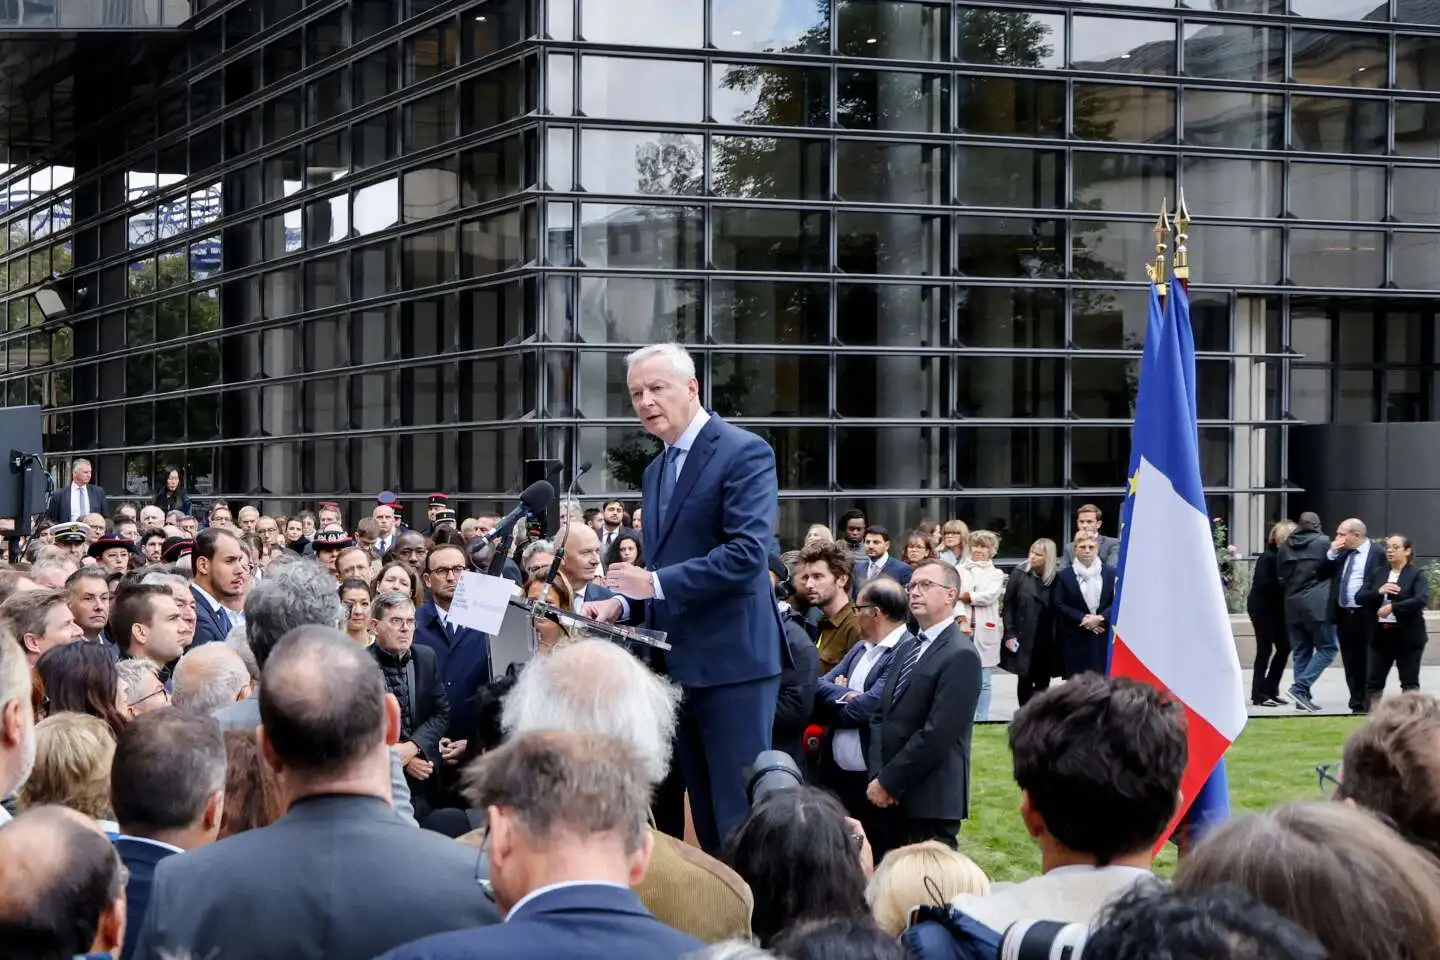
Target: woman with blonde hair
(1028, 650)
(818, 533)
(73, 752)
(921, 874)
(1266, 606)
(982, 584)
(953, 537)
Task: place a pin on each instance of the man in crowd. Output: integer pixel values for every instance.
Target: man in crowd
(612, 517)
(409, 549)
(581, 565)
(88, 594)
(326, 722)
(1087, 519)
(852, 533)
(1392, 767)
(536, 558)
(412, 678)
(167, 787)
(218, 576)
(878, 562)
(72, 540)
(141, 688)
(822, 574)
(437, 503)
(179, 588)
(920, 732)
(566, 817)
(1305, 573)
(39, 619)
(209, 679)
(1355, 560)
(462, 654)
(152, 517)
(384, 517)
(220, 516)
(79, 498)
(149, 626)
(249, 517)
(17, 720)
(62, 887)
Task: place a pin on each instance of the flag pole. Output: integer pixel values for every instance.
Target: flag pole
(1182, 237)
(1156, 270)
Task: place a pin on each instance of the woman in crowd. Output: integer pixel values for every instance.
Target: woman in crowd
(982, 584)
(1084, 594)
(1339, 872)
(818, 533)
(172, 496)
(355, 563)
(626, 549)
(1399, 594)
(928, 873)
(1266, 606)
(917, 549)
(953, 537)
(73, 752)
(252, 795)
(81, 677)
(395, 577)
(356, 596)
(800, 856)
(1028, 650)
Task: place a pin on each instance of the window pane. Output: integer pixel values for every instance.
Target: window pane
(791, 26)
(1012, 107)
(1235, 188)
(889, 243)
(998, 458)
(1110, 319)
(1010, 317)
(770, 240)
(624, 88)
(1123, 181)
(778, 168)
(889, 386)
(1337, 258)
(1010, 177)
(1110, 249)
(1335, 125)
(1417, 62)
(892, 29)
(1310, 394)
(636, 161)
(765, 311)
(1010, 387)
(1357, 398)
(1099, 456)
(755, 385)
(626, 310)
(1239, 255)
(891, 458)
(1335, 191)
(872, 314)
(870, 171)
(890, 100)
(1416, 129)
(1109, 45)
(1417, 194)
(802, 456)
(655, 237)
(1334, 59)
(1008, 247)
(1245, 121)
(761, 95)
(668, 23)
(1131, 114)
(1226, 51)
(1011, 38)
(1334, 9)
(1019, 521)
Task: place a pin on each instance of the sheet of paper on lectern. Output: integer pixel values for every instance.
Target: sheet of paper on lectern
(480, 601)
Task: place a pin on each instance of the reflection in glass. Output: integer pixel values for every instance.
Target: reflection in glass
(1417, 62)
(761, 95)
(1229, 51)
(499, 94)
(764, 311)
(1338, 125)
(1416, 125)
(1108, 45)
(1123, 181)
(1009, 106)
(872, 171)
(997, 458)
(493, 244)
(1337, 9)
(640, 235)
(1010, 38)
(1110, 249)
(761, 239)
(1008, 247)
(560, 85)
(560, 233)
(892, 458)
(802, 456)
(1099, 456)
(788, 26)
(1132, 114)
(1010, 317)
(625, 310)
(430, 121)
(1330, 58)
(665, 23)
(772, 168)
(890, 100)
(376, 207)
(628, 88)
(755, 385)
(890, 29)
(1337, 191)
(888, 243)
(1010, 388)
(890, 386)
(1110, 319)
(1417, 194)
(1237, 255)
(636, 161)
(506, 166)
(1235, 188)
(1010, 177)
(1337, 258)
(1414, 262)
(889, 314)
(1222, 118)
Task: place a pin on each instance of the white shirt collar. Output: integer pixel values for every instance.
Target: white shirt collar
(1364, 548)
(933, 632)
(892, 638)
(4, 816)
(154, 843)
(881, 560)
(214, 604)
(697, 423)
(540, 891)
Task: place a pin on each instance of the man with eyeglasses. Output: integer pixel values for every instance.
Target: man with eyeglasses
(536, 558)
(462, 655)
(412, 677)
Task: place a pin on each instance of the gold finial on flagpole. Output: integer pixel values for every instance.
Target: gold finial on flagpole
(1182, 250)
(1156, 270)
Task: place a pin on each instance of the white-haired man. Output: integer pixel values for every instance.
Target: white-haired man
(17, 720)
(595, 687)
(710, 503)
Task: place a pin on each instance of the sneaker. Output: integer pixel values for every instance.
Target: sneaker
(1303, 702)
(1278, 701)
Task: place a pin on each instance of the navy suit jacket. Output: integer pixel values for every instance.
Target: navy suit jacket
(210, 625)
(592, 920)
(58, 509)
(711, 553)
(464, 665)
(857, 712)
(897, 570)
(140, 859)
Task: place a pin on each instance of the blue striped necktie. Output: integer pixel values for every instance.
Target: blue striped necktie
(667, 480)
(912, 657)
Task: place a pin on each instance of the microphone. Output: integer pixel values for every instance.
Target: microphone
(533, 499)
(554, 570)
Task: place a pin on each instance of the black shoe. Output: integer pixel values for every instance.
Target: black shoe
(1260, 703)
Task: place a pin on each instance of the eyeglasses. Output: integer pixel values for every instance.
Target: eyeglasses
(920, 586)
(864, 607)
(401, 623)
(449, 573)
(162, 692)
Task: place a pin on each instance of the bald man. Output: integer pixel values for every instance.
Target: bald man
(209, 678)
(581, 565)
(62, 888)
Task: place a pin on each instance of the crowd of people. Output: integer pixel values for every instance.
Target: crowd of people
(247, 735)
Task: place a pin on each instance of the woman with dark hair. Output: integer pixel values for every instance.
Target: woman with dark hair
(800, 855)
(1399, 594)
(626, 549)
(252, 795)
(356, 596)
(395, 577)
(81, 678)
(172, 495)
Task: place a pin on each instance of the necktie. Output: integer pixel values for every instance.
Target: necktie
(874, 570)
(1347, 598)
(84, 503)
(912, 657)
(667, 480)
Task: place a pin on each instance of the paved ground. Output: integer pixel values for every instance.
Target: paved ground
(1329, 693)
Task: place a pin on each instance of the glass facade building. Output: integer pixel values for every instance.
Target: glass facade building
(318, 249)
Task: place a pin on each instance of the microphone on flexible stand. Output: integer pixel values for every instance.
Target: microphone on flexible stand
(554, 570)
(533, 499)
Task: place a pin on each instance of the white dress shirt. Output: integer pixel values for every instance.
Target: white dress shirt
(682, 451)
(877, 567)
(79, 502)
(929, 634)
(1356, 578)
(845, 744)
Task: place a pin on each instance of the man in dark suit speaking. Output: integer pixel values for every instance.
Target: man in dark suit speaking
(710, 502)
(79, 498)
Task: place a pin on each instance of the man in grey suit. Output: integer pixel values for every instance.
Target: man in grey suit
(304, 888)
(1088, 517)
(300, 593)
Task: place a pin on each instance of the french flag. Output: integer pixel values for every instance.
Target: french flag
(1172, 628)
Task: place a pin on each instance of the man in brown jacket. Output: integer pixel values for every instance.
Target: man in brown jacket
(822, 574)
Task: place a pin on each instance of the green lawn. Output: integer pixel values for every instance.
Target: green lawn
(1273, 762)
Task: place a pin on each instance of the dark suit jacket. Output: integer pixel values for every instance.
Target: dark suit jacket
(796, 699)
(1109, 551)
(711, 552)
(853, 714)
(1408, 605)
(919, 746)
(140, 858)
(464, 665)
(569, 923)
(181, 503)
(58, 509)
(1375, 565)
(430, 711)
(1080, 649)
(897, 570)
(304, 888)
(210, 624)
